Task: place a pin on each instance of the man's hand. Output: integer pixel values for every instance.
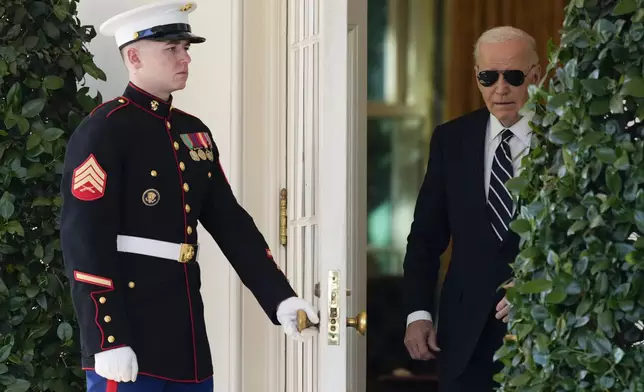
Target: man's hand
(118, 364)
(420, 340)
(287, 316)
(503, 307)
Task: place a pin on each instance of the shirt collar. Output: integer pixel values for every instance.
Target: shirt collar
(521, 129)
(147, 101)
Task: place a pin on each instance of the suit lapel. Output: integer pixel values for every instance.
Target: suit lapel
(474, 144)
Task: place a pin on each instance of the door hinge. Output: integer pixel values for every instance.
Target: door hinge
(283, 217)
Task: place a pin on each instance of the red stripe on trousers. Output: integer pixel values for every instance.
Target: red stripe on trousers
(112, 386)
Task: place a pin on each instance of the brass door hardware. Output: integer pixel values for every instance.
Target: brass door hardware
(283, 216)
(359, 323)
(333, 333)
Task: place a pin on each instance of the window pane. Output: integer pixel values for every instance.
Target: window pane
(395, 169)
(377, 31)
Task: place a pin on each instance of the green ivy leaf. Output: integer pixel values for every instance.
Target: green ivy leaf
(53, 82)
(41, 202)
(3, 289)
(5, 351)
(6, 206)
(558, 101)
(31, 42)
(14, 227)
(561, 135)
(597, 87)
(625, 7)
(535, 286)
(516, 184)
(617, 104)
(634, 86)
(521, 380)
(51, 30)
(520, 226)
(556, 296)
(638, 217)
(52, 134)
(19, 385)
(614, 181)
(577, 226)
(599, 107)
(33, 141)
(605, 320)
(606, 155)
(60, 10)
(64, 331)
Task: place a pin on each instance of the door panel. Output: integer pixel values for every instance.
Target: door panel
(326, 108)
(302, 178)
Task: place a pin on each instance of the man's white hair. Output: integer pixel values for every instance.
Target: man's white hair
(503, 34)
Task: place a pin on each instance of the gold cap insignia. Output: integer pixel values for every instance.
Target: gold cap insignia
(186, 7)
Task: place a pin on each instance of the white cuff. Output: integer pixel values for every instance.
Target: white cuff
(418, 315)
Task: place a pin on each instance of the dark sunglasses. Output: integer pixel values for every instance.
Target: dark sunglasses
(514, 77)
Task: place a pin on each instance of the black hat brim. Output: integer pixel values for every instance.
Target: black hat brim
(179, 36)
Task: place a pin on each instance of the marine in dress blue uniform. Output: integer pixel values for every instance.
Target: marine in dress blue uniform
(140, 175)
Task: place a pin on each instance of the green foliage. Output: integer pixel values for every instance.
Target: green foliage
(42, 60)
(579, 289)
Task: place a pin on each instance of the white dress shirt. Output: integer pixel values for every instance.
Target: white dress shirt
(519, 147)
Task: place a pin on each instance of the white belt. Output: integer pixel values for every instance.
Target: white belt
(182, 253)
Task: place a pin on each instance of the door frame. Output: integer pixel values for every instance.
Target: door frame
(357, 180)
(263, 83)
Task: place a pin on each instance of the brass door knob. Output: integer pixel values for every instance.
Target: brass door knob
(303, 321)
(359, 322)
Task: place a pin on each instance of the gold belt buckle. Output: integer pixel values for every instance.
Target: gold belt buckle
(187, 253)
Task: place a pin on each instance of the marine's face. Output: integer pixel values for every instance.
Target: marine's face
(164, 64)
(504, 96)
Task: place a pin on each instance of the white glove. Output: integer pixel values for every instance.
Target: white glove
(118, 364)
(287, 316)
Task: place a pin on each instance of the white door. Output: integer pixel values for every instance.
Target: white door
(326, 185)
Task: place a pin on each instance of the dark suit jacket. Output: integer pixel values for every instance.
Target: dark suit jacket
(452, 203)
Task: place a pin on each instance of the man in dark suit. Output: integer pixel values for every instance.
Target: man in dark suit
(463, 197)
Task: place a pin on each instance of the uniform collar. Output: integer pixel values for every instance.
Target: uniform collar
(521, 129)
(147, 101)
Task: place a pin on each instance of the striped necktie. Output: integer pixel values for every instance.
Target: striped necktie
(500, 205)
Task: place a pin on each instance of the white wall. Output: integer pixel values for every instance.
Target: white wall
(213, 95)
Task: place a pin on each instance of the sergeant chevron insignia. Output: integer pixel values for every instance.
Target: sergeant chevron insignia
(89, 180)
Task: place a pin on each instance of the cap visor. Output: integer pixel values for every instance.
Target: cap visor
(193, 39)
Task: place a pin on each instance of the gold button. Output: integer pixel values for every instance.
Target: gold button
(153, 173)
(209, 174)
(107, 319)
(176, 145)
(186, 187)
(111, 339)
(131, 285)
(102, 300)
(167, 123)
(189, 230)
(182, 166)
(121, 100)
(188, 208)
